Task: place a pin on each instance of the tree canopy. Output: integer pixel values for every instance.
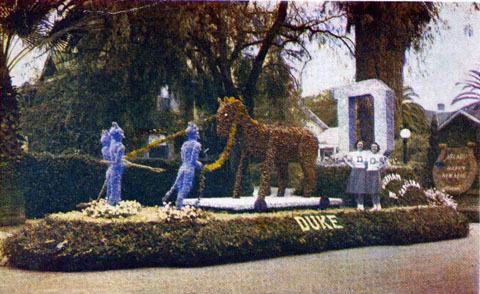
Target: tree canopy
(200, 50)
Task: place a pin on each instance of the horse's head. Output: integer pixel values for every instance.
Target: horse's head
(226, 114)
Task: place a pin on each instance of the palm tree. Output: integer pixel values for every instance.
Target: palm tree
(471, 88)
(32, 24)
(412, 113)
(21, 21)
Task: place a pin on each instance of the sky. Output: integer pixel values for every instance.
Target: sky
(432, 74)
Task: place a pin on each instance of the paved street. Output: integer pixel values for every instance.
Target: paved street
(440, 267)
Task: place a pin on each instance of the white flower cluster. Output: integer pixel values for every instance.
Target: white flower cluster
(101, 208)
(392, 195)
(439, 198)
(168, 213)
(407, 185)
(390, 177)
(433, 196)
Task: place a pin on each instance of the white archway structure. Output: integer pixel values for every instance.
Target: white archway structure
(383, 112)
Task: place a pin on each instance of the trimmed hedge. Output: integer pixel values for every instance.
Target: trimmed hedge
(58, 183)
(52, 183)
(332, 182)
(471, 214)
(12, 203)
(61, 245)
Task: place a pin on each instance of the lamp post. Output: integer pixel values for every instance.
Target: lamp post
(405, 134)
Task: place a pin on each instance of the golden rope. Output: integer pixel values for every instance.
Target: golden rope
(226, 151)
(154, 143)
(131, 164)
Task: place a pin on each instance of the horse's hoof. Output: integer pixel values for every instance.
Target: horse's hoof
(260, 205)
(324, 203)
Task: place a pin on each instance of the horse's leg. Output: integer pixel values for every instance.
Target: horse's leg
(267, 165)
(309, 177)
(282, 175)
(308, 157)
(238, 177)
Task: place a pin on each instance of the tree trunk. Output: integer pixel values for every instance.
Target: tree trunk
(10, 143)
(12, 207)
(380, 55)
(251, 84)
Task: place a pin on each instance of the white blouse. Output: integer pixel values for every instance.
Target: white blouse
(376, 162)
(357, 159)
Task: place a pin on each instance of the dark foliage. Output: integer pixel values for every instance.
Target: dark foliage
(433, 150)
(52, 183)
(332, 182)
(58, 183)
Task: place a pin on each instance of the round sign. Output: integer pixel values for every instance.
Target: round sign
(455, 169)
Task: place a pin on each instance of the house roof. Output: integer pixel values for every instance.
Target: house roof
(472, 112)
(328, 138)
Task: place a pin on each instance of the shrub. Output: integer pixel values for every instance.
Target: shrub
(332, 181)
(400, 192)
(76, 245)
(53, 183)
(58, 183)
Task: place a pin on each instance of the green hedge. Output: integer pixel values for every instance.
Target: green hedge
(332, 182)
(54, 183)
(58, 183)
(12, 203)
(56, 244)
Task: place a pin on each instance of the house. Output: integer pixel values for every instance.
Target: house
(457, 128)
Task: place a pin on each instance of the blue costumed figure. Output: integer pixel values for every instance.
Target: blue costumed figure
(189, 154)
(105, 139)
(117, 165)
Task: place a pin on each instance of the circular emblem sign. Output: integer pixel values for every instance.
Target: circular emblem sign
(455, 169)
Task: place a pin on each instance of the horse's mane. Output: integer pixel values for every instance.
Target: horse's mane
(240, 107)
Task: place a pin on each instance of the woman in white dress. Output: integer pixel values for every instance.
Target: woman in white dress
(376, 164)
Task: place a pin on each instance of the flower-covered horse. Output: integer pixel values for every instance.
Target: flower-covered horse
(274, 146)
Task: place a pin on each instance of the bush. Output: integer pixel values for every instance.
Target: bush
(398, 191)
(58, 183)
(12, 203)
(77, 245)
(417, 148)
(332, 181)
